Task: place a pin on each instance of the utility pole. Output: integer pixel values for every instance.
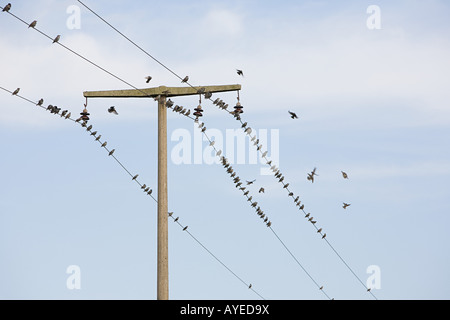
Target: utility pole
(161, 94)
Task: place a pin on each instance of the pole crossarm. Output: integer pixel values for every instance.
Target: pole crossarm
(160, 91)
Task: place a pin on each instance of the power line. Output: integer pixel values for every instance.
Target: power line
(238, 184)
(146, 189)
(223, 107)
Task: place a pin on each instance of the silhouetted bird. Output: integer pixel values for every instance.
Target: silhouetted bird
(250, 182)
(16, 91)
(112, 109)
(293, 115)
(148, 78)
(33, 24)
(240, 72)
(7, 8)
(345, 205)
(344, 175)
(185, 79)
(57, 38)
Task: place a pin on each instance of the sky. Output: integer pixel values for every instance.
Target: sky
(370, 89)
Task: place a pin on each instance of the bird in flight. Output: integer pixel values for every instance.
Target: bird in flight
(7, 8)
(261, 190)
(311, 175)
(293, 115)
(112, 109)
(345, 205)
(33, 24)
(250, 182)
(240, 72)
(344, 175)
(185, 79)
(148, 78)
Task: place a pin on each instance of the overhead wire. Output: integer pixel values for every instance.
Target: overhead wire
(235, 115)
(134, 178)
(237, 181)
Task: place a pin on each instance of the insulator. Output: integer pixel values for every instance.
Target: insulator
(85, 115)
(238, 108)
(198, 111)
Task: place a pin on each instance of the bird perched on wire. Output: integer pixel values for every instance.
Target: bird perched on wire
(33, 24)
(40, 102)
(112, 109)
(16, 91)
(239, 72)
(147, 79)
(57, 38)
(345, 205)
(344, 175)
(7, 8)
(293, 115)
(185, 79)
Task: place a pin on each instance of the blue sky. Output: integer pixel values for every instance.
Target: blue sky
(373, 103)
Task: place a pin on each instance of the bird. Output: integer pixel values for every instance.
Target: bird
(170, 214)
(176, 219)
(40, 102)
(293, 115)
(239, 72)
(250, 182)
(7, 8)
(269, 224)
(344, 175)
(324, 235)
(185, 228)
(57, 38)
(319, 231)
(33, 24)
(185, 79)
(345, 205)
(68, 115)
(16, 91)
(112, 109)
(148, 78)
(261, 190)
(250, 286)
(135, 177)
(111, 152)
(311, 175)
(321, 288)
(104, 144)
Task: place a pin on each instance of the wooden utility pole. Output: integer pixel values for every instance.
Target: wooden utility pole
(160, 94)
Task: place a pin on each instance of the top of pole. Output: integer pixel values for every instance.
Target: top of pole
(162, 90)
